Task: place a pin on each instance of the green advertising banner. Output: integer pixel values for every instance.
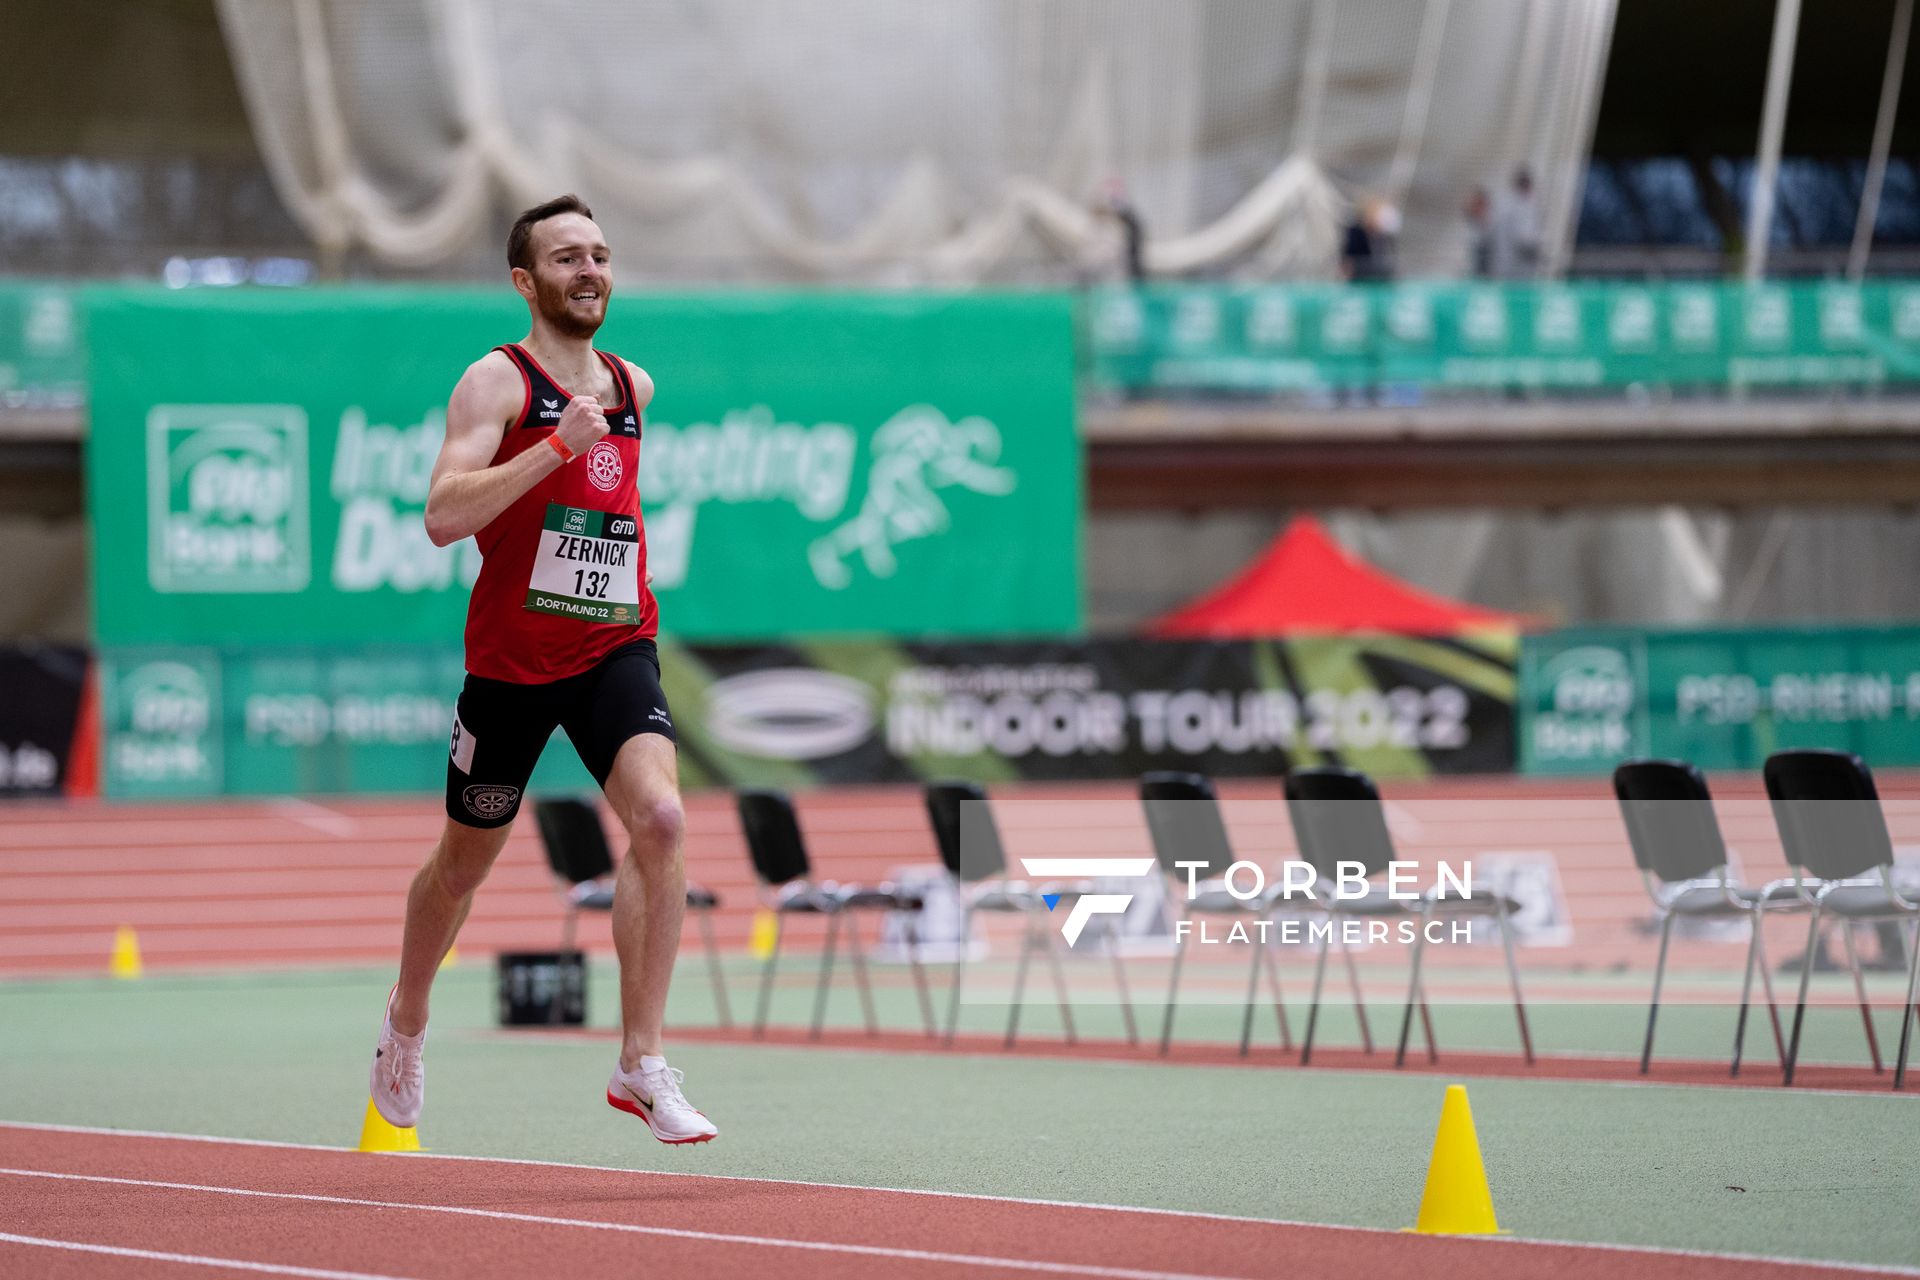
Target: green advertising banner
(1723, 699)
(205, 720)
(43, 355)
(258, 462)
(1465, 335)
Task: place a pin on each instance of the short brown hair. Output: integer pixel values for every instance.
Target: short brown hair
(520, 239)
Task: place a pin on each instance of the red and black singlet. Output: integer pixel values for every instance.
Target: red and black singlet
(567, 544)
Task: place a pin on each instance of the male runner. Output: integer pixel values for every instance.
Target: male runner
(539, 465)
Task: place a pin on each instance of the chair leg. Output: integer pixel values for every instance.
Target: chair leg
(1019, 982)
(919, 974)
(1860, 993)
(1766, 987)
(826, 974)
(713, 969)
(959, 972)
(1359, 998)
(1253, 989)
(1908, 1009)
(766, 977)
(1173, 987)
(1048, 941)
(1746, 996)
(1513, 972)
(1426, 1027)
(1653, 1006)
(1120, 983)
(1279, 1001)
(1414, 993)
(1800, 1005)
(1913, 953)
(859, 957)
(1319, 985)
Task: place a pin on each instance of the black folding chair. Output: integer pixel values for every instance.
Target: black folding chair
(1183, 817)
(1338, 817)
(1833, 830)
(780, 859)
(1683, 863)
(985, 886)
(582, 864)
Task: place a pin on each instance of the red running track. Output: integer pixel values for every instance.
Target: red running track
(245, 883)
(95, 1204)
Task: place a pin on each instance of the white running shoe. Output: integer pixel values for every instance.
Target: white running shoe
(655, 1097)
(399, 1079)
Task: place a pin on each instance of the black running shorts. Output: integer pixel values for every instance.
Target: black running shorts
(500, 729)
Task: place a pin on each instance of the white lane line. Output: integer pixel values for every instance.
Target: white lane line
(976, 1260)
(277, 1145)
(316, 816)
(191, 1259)
(1671, 1251)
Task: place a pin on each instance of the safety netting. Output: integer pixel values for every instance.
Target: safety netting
(950, 141)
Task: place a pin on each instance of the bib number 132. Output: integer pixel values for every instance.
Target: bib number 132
(587, 566)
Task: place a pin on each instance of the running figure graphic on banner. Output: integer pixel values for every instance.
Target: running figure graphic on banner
(915, 454)
(540, 467)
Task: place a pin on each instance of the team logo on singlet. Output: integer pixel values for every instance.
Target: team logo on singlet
(603, 466)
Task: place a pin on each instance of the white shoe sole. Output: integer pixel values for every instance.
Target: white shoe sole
(633, 1108)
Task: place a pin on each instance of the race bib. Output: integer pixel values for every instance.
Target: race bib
(587, 566)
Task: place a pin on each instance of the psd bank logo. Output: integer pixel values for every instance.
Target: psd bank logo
(227, 498)
(1087, 905)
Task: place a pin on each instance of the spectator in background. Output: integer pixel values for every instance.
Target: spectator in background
(1479, 215)
(1117, 247)
(1514, 239)
(1133, 232)
(1366, 252)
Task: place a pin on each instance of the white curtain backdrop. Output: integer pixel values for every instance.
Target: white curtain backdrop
(949, 141)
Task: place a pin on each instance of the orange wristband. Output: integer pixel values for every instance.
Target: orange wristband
(559, 447)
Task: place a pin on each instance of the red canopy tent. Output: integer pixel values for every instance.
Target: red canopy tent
(1306, 582)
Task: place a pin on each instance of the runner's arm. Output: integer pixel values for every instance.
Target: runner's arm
(642, 386)
(466, 492)
(642, 397)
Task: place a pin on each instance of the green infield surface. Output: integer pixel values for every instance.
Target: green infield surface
(281, 1056)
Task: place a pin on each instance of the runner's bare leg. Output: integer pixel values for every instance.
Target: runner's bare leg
(437, 906)
(650, 888)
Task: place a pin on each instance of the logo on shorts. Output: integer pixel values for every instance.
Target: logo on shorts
(603, 466)
(490, 802)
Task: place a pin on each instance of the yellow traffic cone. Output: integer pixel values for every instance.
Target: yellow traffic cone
(1457, 1200)
(126, 954)
(766, 930)
(450, 959)
(377, 1135)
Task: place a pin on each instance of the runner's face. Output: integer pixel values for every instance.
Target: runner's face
(572, 274)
